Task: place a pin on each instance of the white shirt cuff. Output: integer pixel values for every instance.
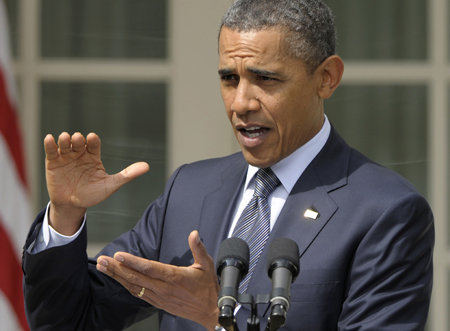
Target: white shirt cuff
(48, 237)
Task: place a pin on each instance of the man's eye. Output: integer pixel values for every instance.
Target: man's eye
(229, 77)
(265, 78)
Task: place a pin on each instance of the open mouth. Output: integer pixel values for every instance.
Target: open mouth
(253, 131)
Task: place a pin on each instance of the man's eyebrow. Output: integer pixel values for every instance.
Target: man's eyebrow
(256, 71)
(263, 72)
(225, 71)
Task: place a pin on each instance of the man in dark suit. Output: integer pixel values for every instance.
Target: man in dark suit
(365, 235)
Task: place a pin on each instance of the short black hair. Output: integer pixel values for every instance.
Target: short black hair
(309, 25)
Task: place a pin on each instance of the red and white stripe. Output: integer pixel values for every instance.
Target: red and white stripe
(15, 206)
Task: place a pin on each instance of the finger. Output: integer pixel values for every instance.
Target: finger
(141, 292)
(132, 279)
(119, 273)
(139, 264)
(133, 262)
(78, 142)
(127, 266)
(51, 149)
(115, 269)
(93, 144)
(64, 143)
(153, 269)
(199, 252)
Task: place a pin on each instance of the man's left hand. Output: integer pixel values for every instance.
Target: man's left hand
(189, 292)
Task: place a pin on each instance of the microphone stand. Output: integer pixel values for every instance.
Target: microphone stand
(253, 322)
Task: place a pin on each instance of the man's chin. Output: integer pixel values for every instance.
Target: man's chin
(259, 161)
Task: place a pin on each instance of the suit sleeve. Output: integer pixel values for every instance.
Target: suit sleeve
(64, 291)
(390, 279)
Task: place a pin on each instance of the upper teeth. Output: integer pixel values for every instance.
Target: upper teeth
(253, 135)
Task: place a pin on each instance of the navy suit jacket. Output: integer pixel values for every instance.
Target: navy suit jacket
(366, 261)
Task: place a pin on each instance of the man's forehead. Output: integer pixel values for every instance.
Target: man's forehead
(260, 46)
(258, 52)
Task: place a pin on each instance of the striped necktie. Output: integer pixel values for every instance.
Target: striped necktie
(254, 224)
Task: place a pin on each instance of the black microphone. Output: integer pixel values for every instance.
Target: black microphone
(283, 266)
(232, 266)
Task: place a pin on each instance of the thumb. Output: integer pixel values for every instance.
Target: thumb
(130, 173)
(198, 250)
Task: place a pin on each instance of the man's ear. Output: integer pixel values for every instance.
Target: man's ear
(331, 71)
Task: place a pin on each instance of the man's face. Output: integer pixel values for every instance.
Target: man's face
(270, 99)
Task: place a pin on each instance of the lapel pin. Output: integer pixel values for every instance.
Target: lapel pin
(309, 213)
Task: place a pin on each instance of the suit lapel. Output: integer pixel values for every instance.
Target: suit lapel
(326, 173)
(292, 222)
(219, 206)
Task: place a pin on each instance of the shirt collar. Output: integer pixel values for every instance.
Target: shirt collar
(289, 169)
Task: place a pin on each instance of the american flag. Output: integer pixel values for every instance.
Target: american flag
(15, 204)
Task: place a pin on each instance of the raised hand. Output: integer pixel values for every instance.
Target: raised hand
(76, 178)
(189, 292)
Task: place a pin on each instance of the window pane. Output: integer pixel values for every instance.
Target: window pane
(386, 123)
(381, 29)
(104, 29)
(130, 119)
(12, 10)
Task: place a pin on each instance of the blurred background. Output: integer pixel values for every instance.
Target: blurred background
(143, 75)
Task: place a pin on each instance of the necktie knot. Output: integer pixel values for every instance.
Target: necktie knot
(266, 181)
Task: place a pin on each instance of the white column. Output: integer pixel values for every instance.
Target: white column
(438, 168)
(29, 28)
(198, 127)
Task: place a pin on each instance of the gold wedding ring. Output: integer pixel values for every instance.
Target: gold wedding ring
(141, 293)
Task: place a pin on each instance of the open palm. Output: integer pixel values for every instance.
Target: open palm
(76, 177)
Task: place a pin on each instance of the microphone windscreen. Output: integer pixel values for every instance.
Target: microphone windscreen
(234, 248)
(283, 249)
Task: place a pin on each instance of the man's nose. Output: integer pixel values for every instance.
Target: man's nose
(245, 99)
